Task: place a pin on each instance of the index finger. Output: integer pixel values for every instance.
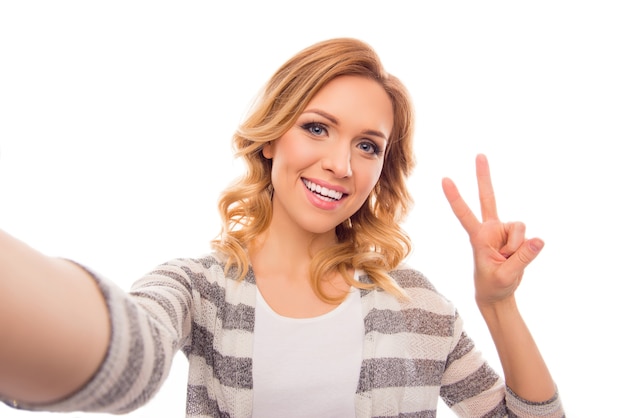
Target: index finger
(486, 194)
(461, 210)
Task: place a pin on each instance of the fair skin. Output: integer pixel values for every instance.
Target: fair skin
(337, 143)
(501, 253)
(44, 303)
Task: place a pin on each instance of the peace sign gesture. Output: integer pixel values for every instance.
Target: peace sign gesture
(501, 250)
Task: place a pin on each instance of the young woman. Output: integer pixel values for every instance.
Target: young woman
(304, 309)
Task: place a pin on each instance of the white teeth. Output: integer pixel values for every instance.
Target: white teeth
(316, 188)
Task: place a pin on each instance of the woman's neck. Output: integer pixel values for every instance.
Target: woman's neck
(288, 252)
(281, 263)
(286, 243)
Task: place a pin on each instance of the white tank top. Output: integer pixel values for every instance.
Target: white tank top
(307, 367)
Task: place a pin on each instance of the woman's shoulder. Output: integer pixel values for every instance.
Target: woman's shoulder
(422, 293)
(210, 264)
(204, 277)
(408, 277)
(191, 271)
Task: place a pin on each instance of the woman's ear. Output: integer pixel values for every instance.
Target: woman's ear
(268, 150)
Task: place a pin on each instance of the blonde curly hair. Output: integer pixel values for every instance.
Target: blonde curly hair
(371, 239)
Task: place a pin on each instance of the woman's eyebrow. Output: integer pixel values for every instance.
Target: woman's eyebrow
(334, 121)
(326, 115)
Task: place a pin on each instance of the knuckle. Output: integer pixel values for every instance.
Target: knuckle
(524, 257)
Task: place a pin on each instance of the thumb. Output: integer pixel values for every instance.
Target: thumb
(525, 254)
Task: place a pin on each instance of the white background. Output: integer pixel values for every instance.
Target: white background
(116, 118)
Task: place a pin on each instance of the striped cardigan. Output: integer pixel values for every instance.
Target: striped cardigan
(414, 351)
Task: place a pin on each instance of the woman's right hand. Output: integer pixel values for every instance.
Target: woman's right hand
(54, 325)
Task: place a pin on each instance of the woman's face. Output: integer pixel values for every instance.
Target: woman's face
(325, 166)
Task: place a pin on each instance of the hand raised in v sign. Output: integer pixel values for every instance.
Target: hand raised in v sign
(501, 250)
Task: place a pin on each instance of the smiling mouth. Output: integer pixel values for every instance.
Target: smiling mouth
(323, 192)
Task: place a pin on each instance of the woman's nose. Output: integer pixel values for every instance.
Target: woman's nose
(338, 161)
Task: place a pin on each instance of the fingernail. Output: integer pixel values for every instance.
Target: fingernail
(536, 245)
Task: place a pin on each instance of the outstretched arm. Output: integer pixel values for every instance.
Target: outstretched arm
(501, 253)
(54, 325)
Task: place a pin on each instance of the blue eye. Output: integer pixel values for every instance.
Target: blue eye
(369, 147)
(315, 128)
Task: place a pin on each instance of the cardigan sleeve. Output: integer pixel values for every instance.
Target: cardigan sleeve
(148, 325)
(467, 384)
(471, 388)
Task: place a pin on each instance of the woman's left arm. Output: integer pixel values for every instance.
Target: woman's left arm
(501, 253)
